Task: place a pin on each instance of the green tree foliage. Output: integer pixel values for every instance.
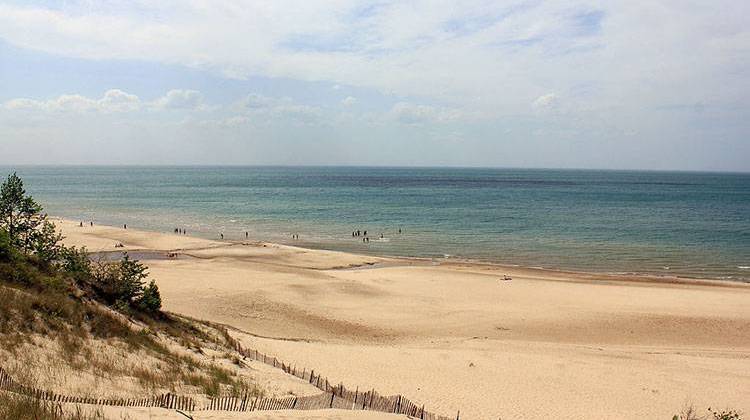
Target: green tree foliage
(76, 262)
(123, 283)
(21, 218)
(6, 250)
(27, 234)
(150, 299)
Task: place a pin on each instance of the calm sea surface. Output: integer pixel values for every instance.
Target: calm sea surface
(689, 224)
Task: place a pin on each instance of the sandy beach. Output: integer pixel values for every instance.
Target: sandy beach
(456, 336)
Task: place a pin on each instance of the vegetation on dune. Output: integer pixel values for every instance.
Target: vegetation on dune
(690, 413)
(50, 290)
(33, 256)
(23, 407)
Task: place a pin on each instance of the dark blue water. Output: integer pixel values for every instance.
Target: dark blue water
(689, 224)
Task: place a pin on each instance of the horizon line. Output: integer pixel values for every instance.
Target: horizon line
(225, 165)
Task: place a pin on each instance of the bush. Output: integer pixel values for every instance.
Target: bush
(122, 284)
(76, 263)
(150, 299)
(5, 247)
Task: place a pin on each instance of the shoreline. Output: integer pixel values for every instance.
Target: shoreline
(402, 261)
(455, 335)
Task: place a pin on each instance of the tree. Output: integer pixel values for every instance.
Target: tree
(150, 299)
(6, 250)
(22, 218)
(76, 262)
(45, 242)
(120, 282)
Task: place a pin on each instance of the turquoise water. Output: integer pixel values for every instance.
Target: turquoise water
(688, 224)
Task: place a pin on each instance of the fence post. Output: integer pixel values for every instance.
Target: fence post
(332, 397)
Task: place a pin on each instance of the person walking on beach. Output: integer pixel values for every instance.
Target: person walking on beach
(92, 224)
(80, 225)
(125, 226)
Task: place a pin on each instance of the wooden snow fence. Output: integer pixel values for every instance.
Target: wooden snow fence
(333, 396)
(169, 401)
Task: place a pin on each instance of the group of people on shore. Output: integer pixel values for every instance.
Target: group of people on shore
(295, 236)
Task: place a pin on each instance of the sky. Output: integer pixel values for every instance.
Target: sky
(662, 85)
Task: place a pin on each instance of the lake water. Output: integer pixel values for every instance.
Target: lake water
(672, 223)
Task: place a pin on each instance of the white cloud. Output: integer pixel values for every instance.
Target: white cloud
(117, 100)
(114, 100)
(180, 99)
(633, 53)
(349, 101)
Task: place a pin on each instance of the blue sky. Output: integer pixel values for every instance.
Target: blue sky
(634, 85)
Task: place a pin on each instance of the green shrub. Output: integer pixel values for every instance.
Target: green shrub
(76, 263)
(122, 284)
(150, 299)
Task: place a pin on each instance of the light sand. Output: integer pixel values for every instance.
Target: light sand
(455, 336)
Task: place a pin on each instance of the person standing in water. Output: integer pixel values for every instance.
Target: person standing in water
(222, 236)
(125, 226)
(246, 235)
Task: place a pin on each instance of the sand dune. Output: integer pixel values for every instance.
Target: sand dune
(455, 336)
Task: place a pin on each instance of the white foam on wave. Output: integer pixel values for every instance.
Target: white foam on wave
(743, 267)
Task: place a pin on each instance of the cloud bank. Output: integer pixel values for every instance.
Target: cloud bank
(618, 78)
